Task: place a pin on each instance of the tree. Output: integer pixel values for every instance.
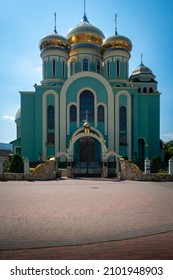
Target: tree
(168, 151)
(17, 165)
(155, 164)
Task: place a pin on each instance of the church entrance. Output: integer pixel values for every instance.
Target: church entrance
(87, 157)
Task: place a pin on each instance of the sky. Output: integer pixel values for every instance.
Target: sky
(148, 24)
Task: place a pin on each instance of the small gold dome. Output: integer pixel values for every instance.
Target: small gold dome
(86, 127)
(117, 42)
(54, 40)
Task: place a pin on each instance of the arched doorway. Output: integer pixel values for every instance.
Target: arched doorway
(87, 157)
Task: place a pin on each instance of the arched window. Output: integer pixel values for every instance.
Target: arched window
(87, 105)
(118, 68)
(108, 69)
(100, 113)
(85, 64)
(54, 67)
(145, 90)
(98, 67)
(73, 113)
(123, 118)
(72, 67)
(139, 90)
(151, 90)
(50, 117)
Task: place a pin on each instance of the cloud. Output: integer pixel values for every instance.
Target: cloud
(38, 69)
(167, 137)
(8, 118)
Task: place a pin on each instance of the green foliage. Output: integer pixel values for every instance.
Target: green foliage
(168, 151)
(17, 165)
(155, 164)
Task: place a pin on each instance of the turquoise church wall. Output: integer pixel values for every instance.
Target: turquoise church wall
(154, 125)
(28, 126)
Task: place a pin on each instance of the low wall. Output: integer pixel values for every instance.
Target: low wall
(14, 177)
(44, 171)
(130, 171)
(157, 177)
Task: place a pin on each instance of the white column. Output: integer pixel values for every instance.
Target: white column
(26, 166)
(147, 166)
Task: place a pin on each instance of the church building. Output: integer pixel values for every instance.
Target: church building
(87, 110)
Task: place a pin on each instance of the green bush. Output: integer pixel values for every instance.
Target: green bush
(17, 165)
(155, 164)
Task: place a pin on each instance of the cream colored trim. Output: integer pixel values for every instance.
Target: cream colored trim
(110, 109)
(27, 92)
(109, 59)
(92, 128)
(44, 121)
(17, 147)
(116, 53)
(111, 153)
(53, 80)
(129, 120)
(57, 155)
(118, 58)
(53, 52)
(81, 135)
(54, 57)
(68, 115)
(105, 117)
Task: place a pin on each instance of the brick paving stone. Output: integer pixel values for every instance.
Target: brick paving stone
(103, 219)
(137, 248)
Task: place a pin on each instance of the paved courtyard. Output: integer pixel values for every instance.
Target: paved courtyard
(72, 219)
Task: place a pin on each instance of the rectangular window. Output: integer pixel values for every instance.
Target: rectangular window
(18, 150)
(54, 67)
(118, 68)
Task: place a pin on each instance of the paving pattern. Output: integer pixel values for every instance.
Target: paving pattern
(86, 219)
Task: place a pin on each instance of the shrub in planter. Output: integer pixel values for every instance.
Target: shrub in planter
(17, 165)
(155, 164)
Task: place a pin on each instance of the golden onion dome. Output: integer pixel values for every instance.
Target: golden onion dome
(85, 33)
(54, 40)
(117, 41)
